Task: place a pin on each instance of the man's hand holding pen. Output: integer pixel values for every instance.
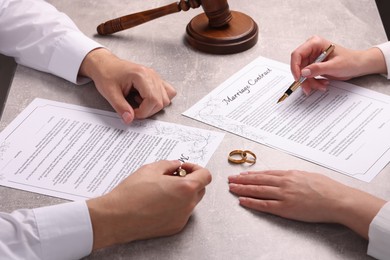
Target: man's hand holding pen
(154, 194)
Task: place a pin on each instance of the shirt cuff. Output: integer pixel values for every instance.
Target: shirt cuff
(379, 234)
(65, 230)
(385, 48)
(69, 53)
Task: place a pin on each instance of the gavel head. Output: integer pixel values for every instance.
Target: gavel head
(219, 30)
(217, 11)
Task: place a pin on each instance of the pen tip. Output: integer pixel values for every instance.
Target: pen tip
(282, 98)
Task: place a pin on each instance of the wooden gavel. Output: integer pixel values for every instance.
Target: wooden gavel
(218, 30)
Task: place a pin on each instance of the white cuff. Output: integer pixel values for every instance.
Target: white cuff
(379, 234)
(69, 53)
(65, 230)
(385, 48)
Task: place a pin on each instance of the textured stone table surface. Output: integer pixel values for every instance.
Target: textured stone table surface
(219, 227)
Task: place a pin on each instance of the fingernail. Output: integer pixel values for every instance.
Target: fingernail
(306, 72)
(232, 186)
(323, 88)
(127, 117)
(306, 91)
(232, 177)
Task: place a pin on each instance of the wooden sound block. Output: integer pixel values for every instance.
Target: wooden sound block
(240, 34)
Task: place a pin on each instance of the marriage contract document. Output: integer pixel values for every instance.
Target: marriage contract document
(76, 153)
(345, 128)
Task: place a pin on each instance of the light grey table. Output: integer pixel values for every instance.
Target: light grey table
(219, 228)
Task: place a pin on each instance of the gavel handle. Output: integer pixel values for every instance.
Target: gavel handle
(132, 20)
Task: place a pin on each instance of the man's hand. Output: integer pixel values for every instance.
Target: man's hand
(115, 79)
(149, 203)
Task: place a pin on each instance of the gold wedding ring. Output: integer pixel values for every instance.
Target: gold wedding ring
(240, 156)
(252, 158)
(237, 156)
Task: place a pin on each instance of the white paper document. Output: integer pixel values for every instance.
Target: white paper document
(345, 128)
(76, 153)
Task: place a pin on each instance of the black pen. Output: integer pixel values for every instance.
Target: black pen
(296, 84)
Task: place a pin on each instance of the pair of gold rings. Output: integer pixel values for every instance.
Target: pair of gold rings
(240, 156)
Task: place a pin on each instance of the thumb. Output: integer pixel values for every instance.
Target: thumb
(317, 69)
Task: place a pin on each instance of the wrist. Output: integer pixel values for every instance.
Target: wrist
(372, 62)
(101, 219)
(94, 62)
(357, 209)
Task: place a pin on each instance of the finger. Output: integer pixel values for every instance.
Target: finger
(256, 191)
(165, 167)
(267, 172)
(255, 179)
(319, 69)
(166, 98)
(165, 102)
(300, 58)
(197, 173)
(267, 206)
(149, 90)
(155, 102)
(296, 64)
(314, 84)
(147, 106)
(117, 100)
(191, 167)
(320, 84)
(306, 89)
(306, 53)
(171, 92)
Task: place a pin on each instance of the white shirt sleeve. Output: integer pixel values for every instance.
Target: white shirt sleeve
(61, 231)
(41, 37)
(385, 48)
(379, 234)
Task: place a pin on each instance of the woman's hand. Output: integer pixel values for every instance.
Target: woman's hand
(305, 196)
(341, 64)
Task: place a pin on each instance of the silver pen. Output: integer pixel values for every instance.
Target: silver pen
(297, 83)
